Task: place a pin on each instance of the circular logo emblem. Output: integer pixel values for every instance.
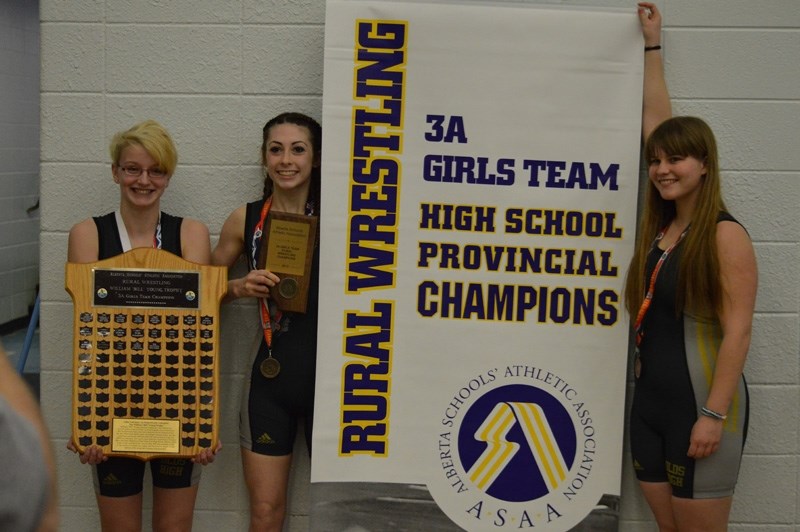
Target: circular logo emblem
(515, 450)
(517, 443)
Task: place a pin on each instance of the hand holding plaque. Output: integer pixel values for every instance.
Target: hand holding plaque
(287, 250)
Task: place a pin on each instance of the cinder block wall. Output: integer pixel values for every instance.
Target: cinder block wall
(19, 157)
(213, 72)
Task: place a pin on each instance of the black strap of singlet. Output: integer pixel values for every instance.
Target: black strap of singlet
(109, 244)
(171, 233)
(108, 241)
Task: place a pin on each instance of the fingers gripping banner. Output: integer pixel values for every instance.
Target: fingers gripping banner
(480, 173)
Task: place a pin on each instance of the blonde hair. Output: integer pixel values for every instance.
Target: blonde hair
(699, 289)
(151, 136)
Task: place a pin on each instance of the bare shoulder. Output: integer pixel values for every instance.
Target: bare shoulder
(735, 249)
(231, 238)
(731, 235)
(83, 243)
(195, 241)
(233, 228)
(192, 229)
(237, 217)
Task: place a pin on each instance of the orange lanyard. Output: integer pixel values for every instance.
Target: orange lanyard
(648, 298)
(266, 325)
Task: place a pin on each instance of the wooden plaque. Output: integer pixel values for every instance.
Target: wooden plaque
(145, 354)
(287, 250)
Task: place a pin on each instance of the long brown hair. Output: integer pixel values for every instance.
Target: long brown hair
(699, 286)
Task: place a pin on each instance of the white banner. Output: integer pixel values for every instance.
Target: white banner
(480, 174)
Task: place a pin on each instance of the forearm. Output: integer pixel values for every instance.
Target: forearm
(731, 359)
(234, 290)
(656, 105)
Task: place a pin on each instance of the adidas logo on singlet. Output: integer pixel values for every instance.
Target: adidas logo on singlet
(265, 438)
(111, 480)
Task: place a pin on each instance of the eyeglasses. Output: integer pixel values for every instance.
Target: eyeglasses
(136, 171)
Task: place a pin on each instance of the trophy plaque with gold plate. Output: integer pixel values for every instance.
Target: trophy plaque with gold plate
(288, 252)
(145, 354)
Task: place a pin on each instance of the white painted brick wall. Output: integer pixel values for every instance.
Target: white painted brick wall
(19, 157)
(213, 72)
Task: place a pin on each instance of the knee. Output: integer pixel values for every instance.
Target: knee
(172, 523)
(267, 515)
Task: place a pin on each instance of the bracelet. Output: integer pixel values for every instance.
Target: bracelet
(651, 48)
(711, 413)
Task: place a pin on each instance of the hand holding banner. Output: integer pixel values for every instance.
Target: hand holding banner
(481, 173)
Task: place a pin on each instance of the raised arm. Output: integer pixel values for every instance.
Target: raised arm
(656, 106)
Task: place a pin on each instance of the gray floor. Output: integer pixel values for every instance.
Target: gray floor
(384, 507)
(13, 343)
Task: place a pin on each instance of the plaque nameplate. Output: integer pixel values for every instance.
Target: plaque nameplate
(146, 288)
(161, 436)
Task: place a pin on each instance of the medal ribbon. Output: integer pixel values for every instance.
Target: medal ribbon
(125, 239)
(648, 298)
(266, 324)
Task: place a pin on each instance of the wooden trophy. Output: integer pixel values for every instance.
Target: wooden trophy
(145, 354)
(287, 250)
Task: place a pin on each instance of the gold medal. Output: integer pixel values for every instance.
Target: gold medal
(270, 367)
(287, 288)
